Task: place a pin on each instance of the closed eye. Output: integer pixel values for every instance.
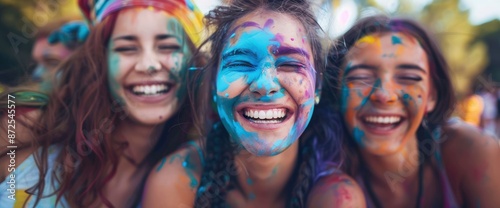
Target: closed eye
(169, 47)
(239, 66)
(291, 67)
(125, 49)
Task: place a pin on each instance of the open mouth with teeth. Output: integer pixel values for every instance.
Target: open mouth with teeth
(150, 89)
(268, 116)
(382, 122)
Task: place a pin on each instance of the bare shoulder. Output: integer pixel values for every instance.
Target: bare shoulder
(468, 144)
(336, 190)
(174, 180)
(471, 160)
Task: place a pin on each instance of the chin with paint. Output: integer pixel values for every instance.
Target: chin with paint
(265, 84)
(273, 144)
(395, 97)
(120, 105)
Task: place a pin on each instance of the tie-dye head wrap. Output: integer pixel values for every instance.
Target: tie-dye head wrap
(185, 11)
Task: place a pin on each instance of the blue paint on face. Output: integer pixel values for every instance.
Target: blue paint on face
(376, 85)
(396, 40)
(249, 181)
(251, 61)
(358, 136)
(113, 72)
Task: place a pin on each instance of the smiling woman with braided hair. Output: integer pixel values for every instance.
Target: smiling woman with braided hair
(265, 79)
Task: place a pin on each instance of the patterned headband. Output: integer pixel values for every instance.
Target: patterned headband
(185, 11)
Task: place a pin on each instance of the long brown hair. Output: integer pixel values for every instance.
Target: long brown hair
(80, 117)
(318, 143)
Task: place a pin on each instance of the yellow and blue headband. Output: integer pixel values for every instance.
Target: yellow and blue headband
(188, 14)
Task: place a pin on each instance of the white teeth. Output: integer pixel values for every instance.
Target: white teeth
(266, 114)
(383, 119)
(150, 89)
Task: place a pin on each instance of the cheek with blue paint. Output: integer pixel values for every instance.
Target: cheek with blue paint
(250, 72)
(179, 59)
(113, 74)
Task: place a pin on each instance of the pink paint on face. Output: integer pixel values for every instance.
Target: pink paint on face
(386, 91)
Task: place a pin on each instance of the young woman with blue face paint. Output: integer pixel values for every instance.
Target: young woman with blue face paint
(265, 79)
(395, 94)
(119, 107)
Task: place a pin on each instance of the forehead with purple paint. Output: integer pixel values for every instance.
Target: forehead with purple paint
(265, 85)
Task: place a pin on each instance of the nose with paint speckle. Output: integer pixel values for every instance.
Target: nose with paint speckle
(265, 84)
(383, 93)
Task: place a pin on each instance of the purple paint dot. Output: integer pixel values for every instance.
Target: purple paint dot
(292, 39)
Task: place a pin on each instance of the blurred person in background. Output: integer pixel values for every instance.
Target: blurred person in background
(54, 43)
(490, 112)
(470, 108)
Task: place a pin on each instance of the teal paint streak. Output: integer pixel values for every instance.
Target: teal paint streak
(396, 40)
(161, 164)
(113, 72)
(249, 181)
(189, 168)
(358, 136)
(376, 85)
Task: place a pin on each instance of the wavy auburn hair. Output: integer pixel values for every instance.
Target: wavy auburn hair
(81, 116)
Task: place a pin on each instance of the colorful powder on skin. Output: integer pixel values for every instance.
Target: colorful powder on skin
(113, 71)
(358, 136)
(396, 40)
(189, 168)
(251, 196)
(263, 76)
(249, 181)
(161, 164)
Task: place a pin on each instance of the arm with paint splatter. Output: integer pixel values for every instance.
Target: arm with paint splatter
(471, 160)
(336, 190)
(174, 180)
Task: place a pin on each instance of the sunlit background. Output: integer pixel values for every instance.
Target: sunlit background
(468, 30)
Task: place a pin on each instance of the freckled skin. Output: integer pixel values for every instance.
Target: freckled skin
(268, 74)
(386, 88)
(128, 61)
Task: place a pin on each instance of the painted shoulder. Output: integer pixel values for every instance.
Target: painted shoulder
(336, 190)
(174, 180)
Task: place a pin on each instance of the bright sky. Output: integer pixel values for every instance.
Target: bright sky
(206, 5)
(482, 11)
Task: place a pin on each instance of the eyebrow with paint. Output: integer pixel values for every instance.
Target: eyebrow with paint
(238, 51)
(285, 50)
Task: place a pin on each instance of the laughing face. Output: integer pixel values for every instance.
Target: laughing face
(386, 91)
(265, 84)
(147, 55)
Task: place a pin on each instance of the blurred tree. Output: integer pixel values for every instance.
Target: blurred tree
(490, 34)
(457, 37)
